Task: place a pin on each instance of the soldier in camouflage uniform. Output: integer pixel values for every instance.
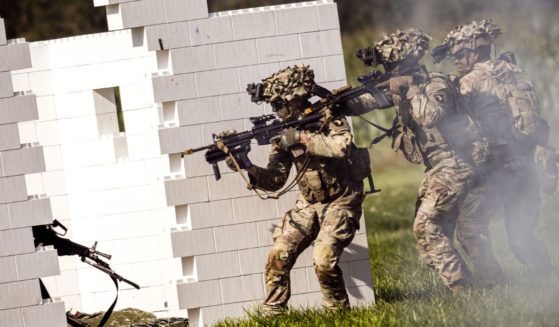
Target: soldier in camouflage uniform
(328, 208)
(500, 98)
(434, 133)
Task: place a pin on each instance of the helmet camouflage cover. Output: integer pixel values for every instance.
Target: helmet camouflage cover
(289, 83)
(472, 35)
(410, 44)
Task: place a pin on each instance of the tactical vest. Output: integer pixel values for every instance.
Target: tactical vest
(453, 137)
(327, 178)
(515, 93)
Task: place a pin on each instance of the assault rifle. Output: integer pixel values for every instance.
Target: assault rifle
(267, 127)
(47, 235)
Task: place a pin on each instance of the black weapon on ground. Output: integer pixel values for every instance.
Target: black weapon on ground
(47, 235)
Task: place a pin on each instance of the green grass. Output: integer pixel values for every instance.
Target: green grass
(409, 294)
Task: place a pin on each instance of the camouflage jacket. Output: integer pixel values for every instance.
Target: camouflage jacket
(500, 98)
(434, 129)
(327, 177)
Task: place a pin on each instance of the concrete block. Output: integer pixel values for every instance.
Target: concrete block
(177, 139)
(215, 29)
(217, 265)
(253, 260)
(361, 296)
(12, 318)
(28, 132)
(5, 217)
(229, 186)
(16, 241)
(9, 137)
(210, 214)
(142, 13)
(253, 209)
(235, 237)
(192, 242)
(30, 213)
(360, 273)
(20, 81)
(135, 96)
(200, 294)
(40, 56)
(236, 54)
(255, 73)
(296, 20)
(328, 16)
(23, 161)
(37, 265)
(316, 64)
(323, 43)
(357, 250)
(6, 86)
(49, 314)
(334, 68)
(278, 48)
(48, 133)
(54, 183)
(60, 207)
(99, 3)
(20, 294)
(3, 39)
(174, 87)
(172, 36)
(34, 184)
(199, 111)
(305, 259)
(53, 157)
(12, 189)
(253, 25)
(15, 56)
(196, 165)
(265, 230)
(208, 316)
(8, 270)
(217, 82)
(46, 107)
(241, 289)
(41, 82)
(181, 10)
(192, 59)
(239, 106)
(299, 282)
(18, 109)
(186, 191)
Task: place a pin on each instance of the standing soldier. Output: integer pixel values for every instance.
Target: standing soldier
(328, 208)
(500, 98)
(436, 133)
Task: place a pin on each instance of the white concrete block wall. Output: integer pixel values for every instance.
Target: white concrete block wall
(201, 90)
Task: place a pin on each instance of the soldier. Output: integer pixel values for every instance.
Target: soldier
(436, 133)
(328, 208)
(500, 98)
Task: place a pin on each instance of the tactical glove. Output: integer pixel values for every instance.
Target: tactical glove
(400, 84)
(242, 160)
(289, 137)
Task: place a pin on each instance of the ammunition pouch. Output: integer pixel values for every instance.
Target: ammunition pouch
(405, 142)
(359, 164)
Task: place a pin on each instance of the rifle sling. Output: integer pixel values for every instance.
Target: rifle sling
(107, 314)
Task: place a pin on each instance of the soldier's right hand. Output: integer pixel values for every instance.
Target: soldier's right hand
(242, 160)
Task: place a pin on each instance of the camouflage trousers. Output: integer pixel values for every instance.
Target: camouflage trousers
(332, 228)
(516, 192)
(440, 194)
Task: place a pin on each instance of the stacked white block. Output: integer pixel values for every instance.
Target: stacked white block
(105, 181)
(21, 264)
(223, 232)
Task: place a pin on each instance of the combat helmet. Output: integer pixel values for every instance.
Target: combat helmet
(407, 45)
(288, 84)
(467, 36)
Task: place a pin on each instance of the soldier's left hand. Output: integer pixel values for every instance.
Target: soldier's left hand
(289, 137)
(400, 84)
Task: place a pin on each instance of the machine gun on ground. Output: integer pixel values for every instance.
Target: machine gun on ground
(47, 235)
